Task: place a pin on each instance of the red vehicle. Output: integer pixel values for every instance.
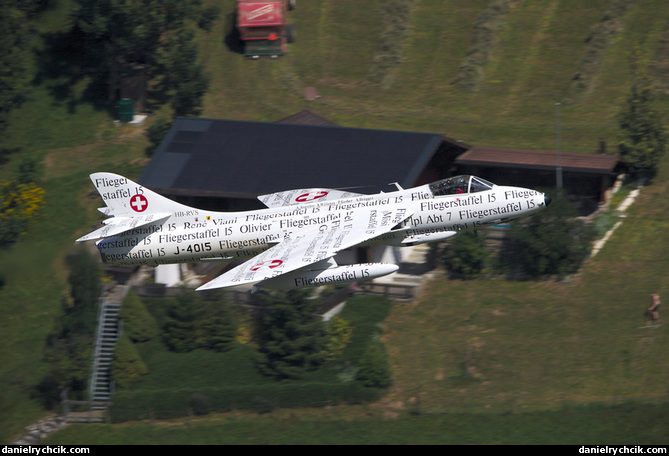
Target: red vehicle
(262, 26)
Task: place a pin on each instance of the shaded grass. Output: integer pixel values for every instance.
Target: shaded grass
(593, 425)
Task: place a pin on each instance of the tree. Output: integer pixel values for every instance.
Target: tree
(183, 78)
(552, 241)
(643, 137)
(85, 287)
(128, 364)
(14, 47)
(182, 321)
(68, 347)
(147, 32)
(131, 29)
(138, 324)
(218, 329)
(156, 132)
(292, 337)
(191, 323)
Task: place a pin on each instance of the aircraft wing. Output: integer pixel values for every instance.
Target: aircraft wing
(307, 246)
(118, 225)
(304, 195)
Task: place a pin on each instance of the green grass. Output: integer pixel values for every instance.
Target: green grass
(576, 425)
(568, 356)
(543, 345)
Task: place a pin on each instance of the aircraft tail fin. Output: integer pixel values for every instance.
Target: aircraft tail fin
(125, 198)
(129, 205)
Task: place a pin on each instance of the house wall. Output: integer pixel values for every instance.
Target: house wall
(586, 190)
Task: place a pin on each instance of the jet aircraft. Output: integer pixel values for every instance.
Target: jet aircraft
(295, 240)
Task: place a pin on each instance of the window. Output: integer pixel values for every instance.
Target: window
(460, 184)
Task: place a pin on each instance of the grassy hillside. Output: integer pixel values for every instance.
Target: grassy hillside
(538, 50)
(526, 346)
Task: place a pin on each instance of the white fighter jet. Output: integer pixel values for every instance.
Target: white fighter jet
(294, 242)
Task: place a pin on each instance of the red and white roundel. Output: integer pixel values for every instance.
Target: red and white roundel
(310, 196)
(139, 203)
(266, 265)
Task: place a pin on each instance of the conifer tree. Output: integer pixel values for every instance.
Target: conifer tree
(138, 323)
(128, 364)
(218, 328)
(181, 323)
(292, 337)
(643, 137)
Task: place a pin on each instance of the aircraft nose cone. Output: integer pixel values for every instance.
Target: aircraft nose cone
(547, 199)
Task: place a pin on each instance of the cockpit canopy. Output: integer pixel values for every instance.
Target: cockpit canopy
(460, 184)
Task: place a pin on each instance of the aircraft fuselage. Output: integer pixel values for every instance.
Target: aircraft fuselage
(196, 235)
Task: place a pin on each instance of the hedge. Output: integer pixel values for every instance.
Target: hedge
(173, 403)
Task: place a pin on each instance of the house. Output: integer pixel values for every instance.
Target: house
(225, 164)
(586, 178)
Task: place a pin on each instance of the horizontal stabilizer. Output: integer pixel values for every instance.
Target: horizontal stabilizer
(118, 225)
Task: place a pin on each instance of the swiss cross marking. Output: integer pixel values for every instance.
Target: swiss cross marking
(311, 196)
(139, 203)
(266, 265)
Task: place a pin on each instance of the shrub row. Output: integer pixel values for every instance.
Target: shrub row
(173, 403)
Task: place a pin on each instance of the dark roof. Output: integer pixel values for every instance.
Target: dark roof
(538, 159)
(229, 158)
(308, 117)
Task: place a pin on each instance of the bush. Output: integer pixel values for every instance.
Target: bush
(128, 365)
(173, 403)
(21, 203)
(156, 132)
(339, 334)
(374, 370)
(466, 255)
(551, 242)
(200, 404)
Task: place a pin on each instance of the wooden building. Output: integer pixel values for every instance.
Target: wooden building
(225, 164)
(586, 178)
